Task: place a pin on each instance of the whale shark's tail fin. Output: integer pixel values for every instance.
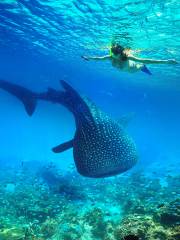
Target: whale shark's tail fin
(27, 97)
(68, 97)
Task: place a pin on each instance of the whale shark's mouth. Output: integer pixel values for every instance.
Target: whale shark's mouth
(104, 173)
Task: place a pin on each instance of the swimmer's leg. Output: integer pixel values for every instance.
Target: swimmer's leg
(146, 70)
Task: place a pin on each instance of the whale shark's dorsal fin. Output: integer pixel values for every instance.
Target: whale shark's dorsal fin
(63, 146)
(125, 119)
(68, 88)
(77, 104)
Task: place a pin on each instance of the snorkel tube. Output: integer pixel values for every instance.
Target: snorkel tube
(110, 51)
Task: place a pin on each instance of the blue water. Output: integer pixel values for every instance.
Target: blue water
(41, 42)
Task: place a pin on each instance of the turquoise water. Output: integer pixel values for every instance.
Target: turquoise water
(41, 194)
(67, 29)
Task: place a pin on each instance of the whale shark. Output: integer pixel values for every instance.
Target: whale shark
(101, 145)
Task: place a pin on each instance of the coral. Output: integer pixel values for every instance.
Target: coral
(143, 227)
(131, 237)
(95, 218)
(133, 225)
(49, 228)
(15, 233)
(70, 232)
(170, 213)
(122, 208)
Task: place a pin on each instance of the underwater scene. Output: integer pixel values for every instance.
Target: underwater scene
(89, 120)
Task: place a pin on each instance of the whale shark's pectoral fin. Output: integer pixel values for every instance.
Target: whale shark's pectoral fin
(63, 147)
(125, 119)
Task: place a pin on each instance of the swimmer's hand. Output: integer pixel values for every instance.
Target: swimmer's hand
(172, 61)
(85, 58)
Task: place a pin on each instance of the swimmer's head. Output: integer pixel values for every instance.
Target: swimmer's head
(117, 49)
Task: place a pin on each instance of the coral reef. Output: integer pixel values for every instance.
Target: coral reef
(143, 227)
(169, 214)
(48, 205)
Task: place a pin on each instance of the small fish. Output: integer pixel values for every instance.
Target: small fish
(161, 205)
(101, 146)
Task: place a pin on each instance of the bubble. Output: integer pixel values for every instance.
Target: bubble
(138, 7)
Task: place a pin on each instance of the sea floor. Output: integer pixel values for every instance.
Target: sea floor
(45, 203)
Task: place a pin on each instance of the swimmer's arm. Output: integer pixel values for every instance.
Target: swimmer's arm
(151, 61)
(87, 58)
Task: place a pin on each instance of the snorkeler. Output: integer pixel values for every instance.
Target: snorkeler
(123, 59)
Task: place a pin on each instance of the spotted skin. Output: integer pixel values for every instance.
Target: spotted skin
(101, 146)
